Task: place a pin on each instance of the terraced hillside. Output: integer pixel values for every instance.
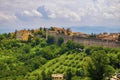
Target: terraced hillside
(76, 65)
(68, 61)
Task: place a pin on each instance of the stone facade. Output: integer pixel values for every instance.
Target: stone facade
(58, 77)
(86, 41)
(23, 35)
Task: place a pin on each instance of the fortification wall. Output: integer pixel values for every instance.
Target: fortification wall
(96, 42)
(86, 41)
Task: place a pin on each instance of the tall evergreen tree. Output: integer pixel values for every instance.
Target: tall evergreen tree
(119, 38)
(96, 69)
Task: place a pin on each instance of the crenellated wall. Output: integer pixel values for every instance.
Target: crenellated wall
(86, 41)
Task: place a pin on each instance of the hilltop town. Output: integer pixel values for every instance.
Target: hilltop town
(111, 40)
(24, 34)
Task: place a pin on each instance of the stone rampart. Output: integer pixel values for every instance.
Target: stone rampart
(86, 41)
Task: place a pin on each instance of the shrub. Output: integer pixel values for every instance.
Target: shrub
(60, 41)
(79, 72)
(50, 39)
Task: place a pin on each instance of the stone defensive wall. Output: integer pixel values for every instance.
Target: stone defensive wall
(86, 41)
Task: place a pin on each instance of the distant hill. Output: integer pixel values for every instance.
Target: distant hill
(95, 29)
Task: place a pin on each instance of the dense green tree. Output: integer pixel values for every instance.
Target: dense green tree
(29, 38)
(43, 75)
(63, 49)
(96, 69)
(32, 30)
(46, 53)
(52, 28)
(70, 44)
(5, 35)
(87, 51)
(60, 41)
(50, 39)
(43, 43)
(118, 56)
(68, 74)
(119, 38)
(109, 71)
(76, 78)
(79, 72)
(35, 42)
(92, 35)
(48, 75)
(68, 31)
(26, 49)
(9, 35)
(1, 37)
(114, 61)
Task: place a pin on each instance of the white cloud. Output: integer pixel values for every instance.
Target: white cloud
(70, 12)
(108, 16)
(64, 14)
(78, 10)
(31, 13)
(7, 17)
(108, 9)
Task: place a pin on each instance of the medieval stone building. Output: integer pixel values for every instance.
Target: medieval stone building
(85, 40)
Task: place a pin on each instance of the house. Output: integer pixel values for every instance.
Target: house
(116, 77)
(109, 36)
(57, 77)
(23, 35)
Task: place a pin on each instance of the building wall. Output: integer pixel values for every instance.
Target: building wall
(86, 41)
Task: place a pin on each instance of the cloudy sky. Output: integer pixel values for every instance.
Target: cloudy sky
(20, 14)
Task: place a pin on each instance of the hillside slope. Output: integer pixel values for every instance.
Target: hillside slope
(68, 61)
(76, 65)
(38, 58)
